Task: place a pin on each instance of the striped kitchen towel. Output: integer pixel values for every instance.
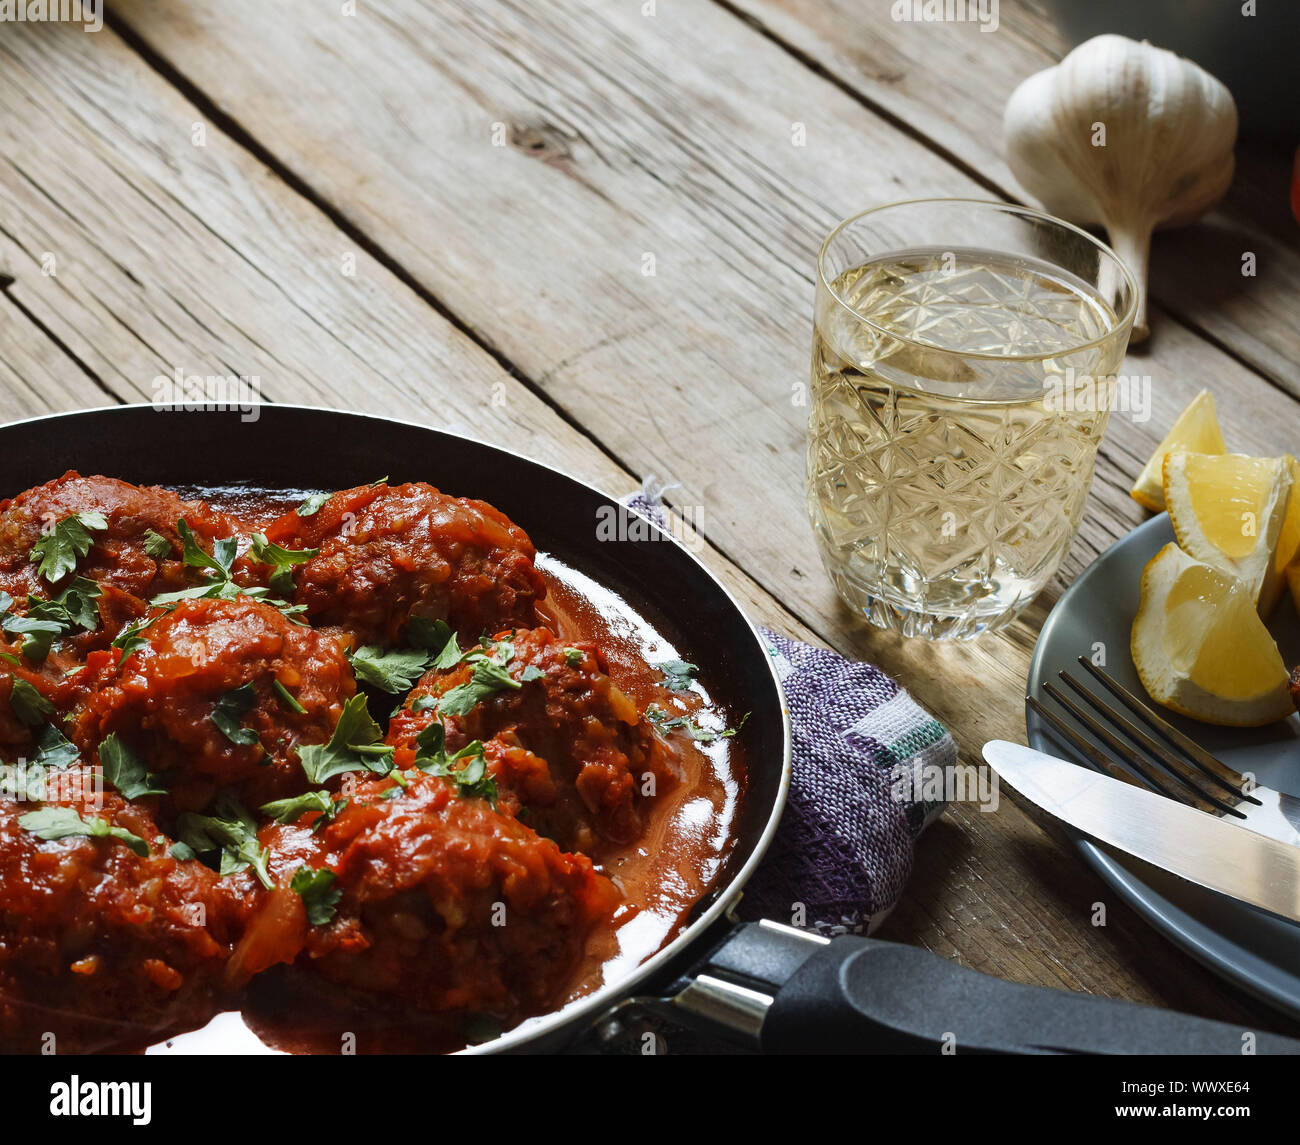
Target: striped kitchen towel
(867, 763)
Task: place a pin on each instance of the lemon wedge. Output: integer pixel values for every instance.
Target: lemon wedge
(1288, 546)
(1200, 647)
(1196, 429)
(1227, 510)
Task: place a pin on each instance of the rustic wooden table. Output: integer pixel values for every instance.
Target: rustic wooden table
(589, 229)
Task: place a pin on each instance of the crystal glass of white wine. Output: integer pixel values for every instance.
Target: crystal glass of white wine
(964, 359)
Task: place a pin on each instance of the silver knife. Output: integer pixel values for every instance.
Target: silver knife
(1203, 849)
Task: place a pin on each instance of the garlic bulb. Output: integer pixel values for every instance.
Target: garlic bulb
(1123, 135)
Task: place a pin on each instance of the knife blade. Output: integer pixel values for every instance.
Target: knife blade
(1203, 849)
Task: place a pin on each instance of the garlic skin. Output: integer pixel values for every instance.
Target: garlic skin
(1167, 158)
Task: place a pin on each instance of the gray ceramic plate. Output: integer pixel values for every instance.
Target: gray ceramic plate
(1257, 952)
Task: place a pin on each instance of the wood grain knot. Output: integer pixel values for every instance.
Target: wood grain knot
(540, 140)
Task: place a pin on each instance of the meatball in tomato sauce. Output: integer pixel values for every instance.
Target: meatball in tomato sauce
(563, 740)
(388, 555)
(444, 902)
(120, 537)
(99, 944)
(218, 696)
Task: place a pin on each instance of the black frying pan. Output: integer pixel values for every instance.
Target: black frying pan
(763, 983)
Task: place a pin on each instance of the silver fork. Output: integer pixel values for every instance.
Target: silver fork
(1168, 762)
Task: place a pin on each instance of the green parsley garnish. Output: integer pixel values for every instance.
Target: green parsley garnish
(230, 832)
(438, 638)
(318, 893)
(65, 822)
(573, 657)
(281, 561)
(220, 584)
(27, 703)
(71, 611)
(59, 550)
(490, 676)
(230, 709)
(393, 671)
(125, 770)
(156, 545)
(132, 636)
(287, 698)
(471, 778)
(54, 749)
(678, 674)
(356, 745)
(294, 808)
(663, 723)
(313, 504)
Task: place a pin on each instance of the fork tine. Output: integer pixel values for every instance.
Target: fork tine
(1179, 769)
(1092, 752)
(1098, 760)
(1211, 765)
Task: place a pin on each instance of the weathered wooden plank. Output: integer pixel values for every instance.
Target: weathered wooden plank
(949, 81)
(623, 135)
(36, 376)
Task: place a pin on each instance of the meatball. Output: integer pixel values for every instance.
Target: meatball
(602, 760)
(126, 558)
(218, 696)
(444, 903)
(107, 945)
(390, 554)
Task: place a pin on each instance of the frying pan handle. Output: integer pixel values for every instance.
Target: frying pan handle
(794, 993)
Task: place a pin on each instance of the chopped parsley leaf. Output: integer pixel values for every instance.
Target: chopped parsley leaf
(437, 637)
(287, 698)
(27, 703)
(156, 545)
(73, 610)
(125, 770)
(489, 677)
(132, 636)
(220, 584)
(573, 657)
(54, 749)
(393, 671)
(319, 895)
(471, 778)
(269, 553)
(663, 723)
(678, 674)
(312, 505)
(230, 709)
(294, 808)
(356, 745)
(65, 822)
(59, 550)
(230, 833)
(281, 560)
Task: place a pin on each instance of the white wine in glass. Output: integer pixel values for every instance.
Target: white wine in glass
(959, 396)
